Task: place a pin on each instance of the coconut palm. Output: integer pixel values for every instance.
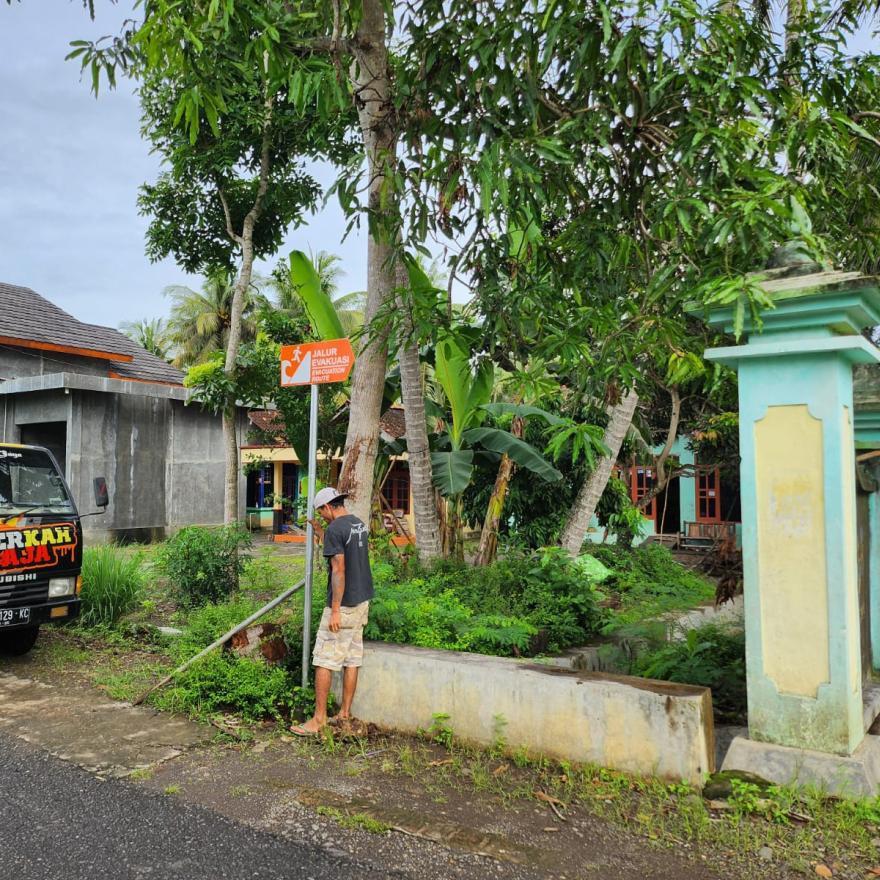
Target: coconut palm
(151, 334)
(200, 320)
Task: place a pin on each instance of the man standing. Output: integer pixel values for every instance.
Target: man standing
(339, 644)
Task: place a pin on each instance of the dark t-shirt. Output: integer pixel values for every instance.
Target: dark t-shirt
(348, 535)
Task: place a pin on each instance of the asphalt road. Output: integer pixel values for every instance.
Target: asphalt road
(58, 821)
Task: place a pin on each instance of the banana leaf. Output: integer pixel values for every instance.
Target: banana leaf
(319, 307)
(524, 454)
(452, 470)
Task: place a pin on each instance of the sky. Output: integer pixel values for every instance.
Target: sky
(70, 169)
(71, 166)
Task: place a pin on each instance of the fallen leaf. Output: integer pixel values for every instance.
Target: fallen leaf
(548, 830)
(874, 871)
(440, 763)
(549, 799)
(501, 769)
(823, 870)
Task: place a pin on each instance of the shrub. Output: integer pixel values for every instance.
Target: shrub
(648, 582)
(204, 565)
(227, 683)
(523, 604)
(112, 583)
(209, 622)
(416, 613)
(714, 656)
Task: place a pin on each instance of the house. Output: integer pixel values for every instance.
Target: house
(107, 407)
(276, 476)
(698, 507)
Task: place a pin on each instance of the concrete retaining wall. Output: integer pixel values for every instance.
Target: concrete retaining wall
(630, 724)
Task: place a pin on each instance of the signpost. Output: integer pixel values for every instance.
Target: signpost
(313, 363)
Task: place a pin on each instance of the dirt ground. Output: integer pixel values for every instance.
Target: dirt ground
(397, 803)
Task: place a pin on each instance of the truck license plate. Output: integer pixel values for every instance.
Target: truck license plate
(13, 616)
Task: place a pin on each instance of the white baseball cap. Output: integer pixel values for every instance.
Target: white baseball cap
(327, 495)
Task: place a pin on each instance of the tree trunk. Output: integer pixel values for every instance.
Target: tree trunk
(489, 536)
(662, 475)
(619, 419)
(371, 80)
(230, 367)
(418, 451)
(230, 440)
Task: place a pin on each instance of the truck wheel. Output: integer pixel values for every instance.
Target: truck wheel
(18, 641)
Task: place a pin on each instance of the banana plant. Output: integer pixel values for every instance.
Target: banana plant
(318, 305)
(468, 390)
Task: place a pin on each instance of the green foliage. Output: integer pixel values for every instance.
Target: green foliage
(226, 683)
(112, 584)
(523, 604)
(204, 564)
(317, 303)
(206, 623)
(713, 656)
(616, 512)
(440, 730)
(647, 583)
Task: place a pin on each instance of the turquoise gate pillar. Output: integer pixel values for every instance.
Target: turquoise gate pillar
(797, 450)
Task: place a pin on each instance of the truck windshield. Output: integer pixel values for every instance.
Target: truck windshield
(30, 481)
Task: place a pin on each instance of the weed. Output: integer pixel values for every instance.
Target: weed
(142, 774)
(499, 742)
(237, 791)
(112, 583)
(171, 789)
(713, 655)
(521, 757)
(355, 821)
(439, 731)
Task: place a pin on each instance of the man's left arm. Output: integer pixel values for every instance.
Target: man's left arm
(337, 590)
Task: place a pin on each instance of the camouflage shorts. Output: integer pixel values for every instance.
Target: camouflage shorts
(333, 650)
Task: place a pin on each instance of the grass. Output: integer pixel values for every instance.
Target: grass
(112, 584)
(354, 821)
(804, 828)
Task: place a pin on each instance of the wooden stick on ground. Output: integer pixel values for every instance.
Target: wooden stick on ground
(224, 638)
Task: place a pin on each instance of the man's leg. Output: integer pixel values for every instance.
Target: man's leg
(349, 686)
(323, 678)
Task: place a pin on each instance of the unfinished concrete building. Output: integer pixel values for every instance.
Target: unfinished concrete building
(107, 407)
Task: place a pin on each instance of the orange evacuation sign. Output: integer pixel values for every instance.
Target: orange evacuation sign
(316, 363)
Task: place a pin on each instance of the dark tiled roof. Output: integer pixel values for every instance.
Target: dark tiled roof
(269, 422)
(143, 365)
(31, 318)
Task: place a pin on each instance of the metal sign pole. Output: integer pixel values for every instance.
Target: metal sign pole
(310, 536)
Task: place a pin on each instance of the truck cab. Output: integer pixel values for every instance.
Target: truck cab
(41, 546)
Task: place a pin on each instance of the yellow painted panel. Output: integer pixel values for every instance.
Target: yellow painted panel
(793, 583)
